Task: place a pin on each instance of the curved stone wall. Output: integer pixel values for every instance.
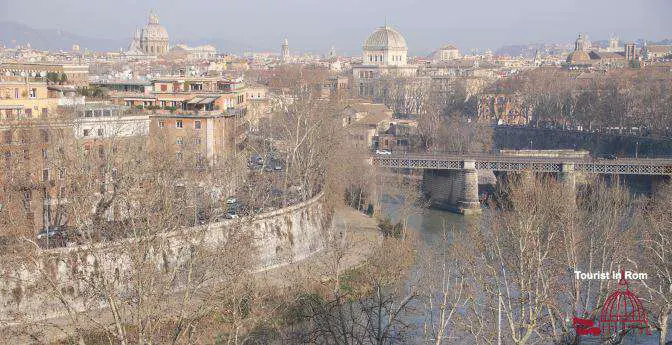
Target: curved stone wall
(275, 238)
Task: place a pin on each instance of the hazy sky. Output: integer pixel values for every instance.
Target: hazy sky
(315, 25)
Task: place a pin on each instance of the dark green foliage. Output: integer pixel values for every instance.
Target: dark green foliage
(389, 229)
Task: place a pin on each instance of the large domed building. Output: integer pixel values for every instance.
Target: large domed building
(580, 54)
(151, 40)
(384, 53)
(385, 47)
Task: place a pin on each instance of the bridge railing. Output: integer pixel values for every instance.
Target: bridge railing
(638, 166)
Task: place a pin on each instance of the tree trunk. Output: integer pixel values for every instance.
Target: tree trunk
(663, 319)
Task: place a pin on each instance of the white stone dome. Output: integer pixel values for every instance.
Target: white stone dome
(385, 38)
(153, 30)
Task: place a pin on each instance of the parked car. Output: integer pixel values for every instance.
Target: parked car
(383, 152)
(231, 200)
(231, 216)
(51, 232)
(54, 236)
(609, 156)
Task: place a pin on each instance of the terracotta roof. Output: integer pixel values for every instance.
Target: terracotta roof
(373, 119)
(659, 48)
(578, 56)
(369, 107)
(375, 113)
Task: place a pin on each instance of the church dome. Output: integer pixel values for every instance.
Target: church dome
(153, 30)
(578, 57)
(385, 38)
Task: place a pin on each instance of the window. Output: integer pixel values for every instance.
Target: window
(45, 175)
(61, 191)
(29, 112)
(179, 141)
(45, 153)
(26, 154)
(26, 198)
(100, 132)
(107, 113)
(197, 141)
(16, 93)
(197, 124)
(178, 124)
(45, 112)
(164, 87)
(61, 173)
(88, 113)
(32, 93)
(87, 132)
(162, 124)
(178, 155)
(9, 113)
(101, 151)
(8, 137)
(45, 135)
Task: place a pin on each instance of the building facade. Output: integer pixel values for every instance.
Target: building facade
(74, 73)
(25, 99)
(384, 54)
(209, 137)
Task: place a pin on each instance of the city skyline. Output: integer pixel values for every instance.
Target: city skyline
(262, 25)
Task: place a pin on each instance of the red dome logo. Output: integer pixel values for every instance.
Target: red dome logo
(621, 312)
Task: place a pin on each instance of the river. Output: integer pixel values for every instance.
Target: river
(430, 225)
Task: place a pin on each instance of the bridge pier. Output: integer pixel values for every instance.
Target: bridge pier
(453, 190)
(567, 175)
(468, 201)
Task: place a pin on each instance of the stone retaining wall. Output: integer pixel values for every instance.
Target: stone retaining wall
(277, 238)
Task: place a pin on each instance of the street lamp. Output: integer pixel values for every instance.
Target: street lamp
(530, 144)
(636, 148)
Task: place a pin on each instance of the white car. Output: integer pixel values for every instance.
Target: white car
(231, 200)
(383, 152)
(231, 216)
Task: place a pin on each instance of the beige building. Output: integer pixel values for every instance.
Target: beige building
(25, 99)
(208, 136)
(446, 53)
(183, 51)
(364, 122)
(656, 51)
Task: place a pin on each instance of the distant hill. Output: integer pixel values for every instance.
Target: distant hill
(529, 50)
(12, 34)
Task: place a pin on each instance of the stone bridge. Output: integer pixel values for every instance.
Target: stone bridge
(451, 180)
